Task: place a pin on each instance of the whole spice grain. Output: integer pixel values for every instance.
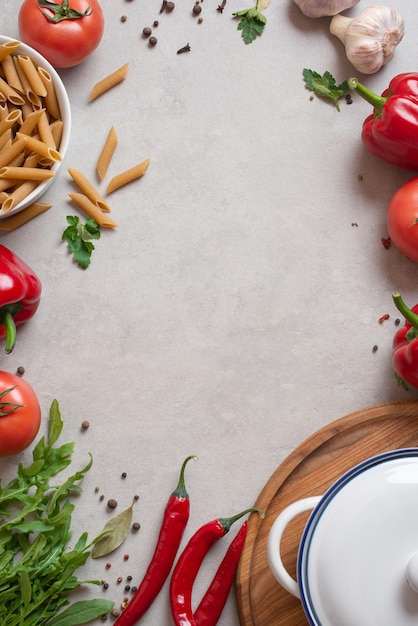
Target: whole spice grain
(169, 7)
(85, 424)
(136, 526)
(20, 370)
(185, 48)
(197, 9)
(221, 6)
(153, 41)
(112, 504)
(147, 31)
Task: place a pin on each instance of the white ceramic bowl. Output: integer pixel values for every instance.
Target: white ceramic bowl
(65, 110)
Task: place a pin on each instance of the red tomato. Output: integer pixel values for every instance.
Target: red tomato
(402, 219)
(66, 42)
(19, 427)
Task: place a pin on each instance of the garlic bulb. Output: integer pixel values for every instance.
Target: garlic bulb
(370, 38)
(319, 8)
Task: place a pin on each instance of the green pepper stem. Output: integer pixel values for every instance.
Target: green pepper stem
(226, 522)
(10, 330)
(372, 98)
(409, 315)
(180, 491)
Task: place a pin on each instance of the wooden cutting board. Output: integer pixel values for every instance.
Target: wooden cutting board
(309, 471)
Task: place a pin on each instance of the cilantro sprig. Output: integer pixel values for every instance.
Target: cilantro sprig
(78, 235)
(325, 86)
(252, 21)
(39, 557)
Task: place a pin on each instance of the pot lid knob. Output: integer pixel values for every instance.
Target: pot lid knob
(412, 572)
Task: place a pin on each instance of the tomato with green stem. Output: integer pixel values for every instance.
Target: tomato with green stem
(402, 219)
(20, 414)
(65, 32)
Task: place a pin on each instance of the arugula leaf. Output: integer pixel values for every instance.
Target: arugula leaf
(77, 235)
(37, 563)
(251, 24)
(325, 86)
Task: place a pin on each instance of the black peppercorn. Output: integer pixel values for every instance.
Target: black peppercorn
(112, 504)
(169, 6)
(197, 9)
(147, 31)
(152, 41)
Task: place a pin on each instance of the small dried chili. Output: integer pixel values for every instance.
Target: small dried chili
(174, 522)
(189, 562)
(212, 604)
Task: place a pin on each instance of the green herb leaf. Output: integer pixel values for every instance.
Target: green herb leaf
(37, 563)
(81, 612)
(325, 86)
(251, 24)
(113, 534)
(77, 235)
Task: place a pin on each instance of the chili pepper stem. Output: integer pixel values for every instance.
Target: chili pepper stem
(10, 330)
(409, 315)
(226, 522)
(180, 491)
(372, 98)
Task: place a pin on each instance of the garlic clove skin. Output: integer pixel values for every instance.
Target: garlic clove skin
(321, 8)
(370, 38)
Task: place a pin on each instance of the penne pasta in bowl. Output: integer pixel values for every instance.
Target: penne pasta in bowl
(35, 125)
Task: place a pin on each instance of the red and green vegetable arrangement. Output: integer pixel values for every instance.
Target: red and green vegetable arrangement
(175, 519)
(38, 566)
(20, 293)
(65, 33)
(20, 414)
(405, 344)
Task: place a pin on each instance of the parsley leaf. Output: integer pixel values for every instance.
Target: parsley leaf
(77, 236)
(251, 24)
(325, 86)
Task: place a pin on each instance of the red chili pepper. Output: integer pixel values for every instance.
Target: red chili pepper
(175, 518)
(212, 604)
(391, 131)
(20, 292)
(189, 562)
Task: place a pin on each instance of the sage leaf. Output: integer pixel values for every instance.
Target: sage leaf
(81, 612)
(113, 534)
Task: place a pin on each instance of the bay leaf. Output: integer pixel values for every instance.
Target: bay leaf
(113, 534)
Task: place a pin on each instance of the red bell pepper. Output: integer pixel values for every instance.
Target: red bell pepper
(20, 292)
(405, 345)
(391, 131)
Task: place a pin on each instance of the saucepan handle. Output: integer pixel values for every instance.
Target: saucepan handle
(275, 562)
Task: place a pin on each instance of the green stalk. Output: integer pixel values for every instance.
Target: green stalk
(409, 315)
(372, 98)
(226, 522)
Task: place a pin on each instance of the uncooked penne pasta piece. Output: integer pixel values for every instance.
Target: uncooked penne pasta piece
(10, 94)
(30, 122)
(92, 210)
(17, 195)
(7, 48)
(51, 100)
(127, 176)
(32, 75)
(11, 75)
(40, 148)
(88, 189)
(25, 173)
(12, 118)
(109, 81)
(45, 132)
(5, 138)
(11, 223)
(106, 154)
(31, 96)
(10, 151)
(57, 128)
